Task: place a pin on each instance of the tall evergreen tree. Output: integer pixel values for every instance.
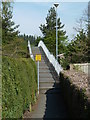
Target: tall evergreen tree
(88, 33)
(78, 49)
(89, 19)
(49, 32)
(9, 31)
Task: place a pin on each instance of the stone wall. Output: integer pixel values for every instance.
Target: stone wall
(75, 95)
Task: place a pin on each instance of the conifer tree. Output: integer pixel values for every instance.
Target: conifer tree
(78, 49)
(9, 31)
(49, 32)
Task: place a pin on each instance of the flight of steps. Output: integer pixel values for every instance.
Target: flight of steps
(46, 79)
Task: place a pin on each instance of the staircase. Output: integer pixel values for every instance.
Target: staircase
(46, 72)
(50, 103)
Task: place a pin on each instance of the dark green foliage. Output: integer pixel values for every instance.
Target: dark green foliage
(65, 63)
(88, 32)
(28, 37)
(9, 31)
(19, 79)
(19, 85)
(19, 75)
(49, 33)
(37, 40)
(32, 39)
(77, 50)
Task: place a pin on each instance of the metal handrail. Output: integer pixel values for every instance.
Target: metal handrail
(30, 51)
(51, 58)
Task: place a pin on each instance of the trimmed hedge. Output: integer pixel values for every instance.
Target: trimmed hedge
(19, 86)
(75, 99)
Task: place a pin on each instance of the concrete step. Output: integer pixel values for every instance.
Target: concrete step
(50, 90)
(41, 62)
(47, 80)
(46, 75)
(46, 71)
(45, 89)
(36, 52)
(43, 67)
(45, 84)
(35, 48)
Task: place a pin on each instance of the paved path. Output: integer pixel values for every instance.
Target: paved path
(50, 103)
(50, 106)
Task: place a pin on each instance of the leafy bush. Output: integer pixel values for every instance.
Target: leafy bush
(65, 64)
(19, 85)
(76, 67)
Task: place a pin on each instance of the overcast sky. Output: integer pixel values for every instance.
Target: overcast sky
(29, 15)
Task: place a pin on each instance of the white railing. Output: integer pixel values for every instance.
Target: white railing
(30, 51)
(84, 67)
(51, 58)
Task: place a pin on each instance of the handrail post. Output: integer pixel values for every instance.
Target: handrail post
(38, 76)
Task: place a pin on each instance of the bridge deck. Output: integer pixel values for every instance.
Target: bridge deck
(50, 104)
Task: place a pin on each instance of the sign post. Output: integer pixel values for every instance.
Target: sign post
(38, 58)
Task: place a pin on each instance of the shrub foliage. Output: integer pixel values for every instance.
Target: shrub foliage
(19, 85)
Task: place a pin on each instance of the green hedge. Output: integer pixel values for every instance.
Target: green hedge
(75, 99)
(19, 85)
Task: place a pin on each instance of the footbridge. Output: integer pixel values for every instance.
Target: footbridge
(51, 104)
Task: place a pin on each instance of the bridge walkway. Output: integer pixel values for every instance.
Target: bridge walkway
(50, 104)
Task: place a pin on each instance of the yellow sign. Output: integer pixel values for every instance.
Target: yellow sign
(38, 57)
